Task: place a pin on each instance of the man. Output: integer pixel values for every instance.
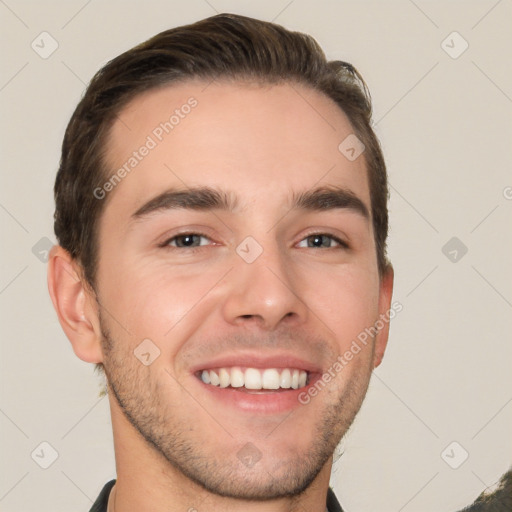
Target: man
(221, 210)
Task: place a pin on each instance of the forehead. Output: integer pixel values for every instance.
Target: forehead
(260, 141)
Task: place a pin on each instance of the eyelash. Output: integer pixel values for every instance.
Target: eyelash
(166, 245)
(341, 243)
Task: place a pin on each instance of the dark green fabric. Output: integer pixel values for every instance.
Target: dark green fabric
(100, 505)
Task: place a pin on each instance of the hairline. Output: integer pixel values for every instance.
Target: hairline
(108, 168)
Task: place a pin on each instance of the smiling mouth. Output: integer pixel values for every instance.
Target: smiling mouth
(255, 379)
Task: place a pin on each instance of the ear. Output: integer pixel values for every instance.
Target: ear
(385, 294)
(75, 305)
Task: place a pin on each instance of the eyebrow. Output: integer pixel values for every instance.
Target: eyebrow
(207, 198)
(200, 198)
(330, 198)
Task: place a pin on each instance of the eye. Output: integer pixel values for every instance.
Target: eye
(322, 241)
(185, 240)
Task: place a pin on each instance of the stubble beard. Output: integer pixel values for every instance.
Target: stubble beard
(139, 396)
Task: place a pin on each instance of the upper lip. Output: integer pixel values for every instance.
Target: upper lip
(253, 360)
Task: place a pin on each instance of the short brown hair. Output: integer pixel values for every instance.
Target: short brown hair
(223, 46)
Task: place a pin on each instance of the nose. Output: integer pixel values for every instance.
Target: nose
(265, 293)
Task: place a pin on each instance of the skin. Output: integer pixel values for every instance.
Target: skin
(176, 446)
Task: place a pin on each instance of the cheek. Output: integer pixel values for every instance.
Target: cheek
(162, 302)
(345, 299)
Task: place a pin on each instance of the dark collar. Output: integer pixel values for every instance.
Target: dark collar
(100, 505)
(332, 502)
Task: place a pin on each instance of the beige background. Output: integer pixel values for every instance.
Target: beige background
(445, 125)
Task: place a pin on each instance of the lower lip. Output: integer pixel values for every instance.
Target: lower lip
(258, 401)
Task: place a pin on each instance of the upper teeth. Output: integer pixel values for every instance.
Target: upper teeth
(255, 378)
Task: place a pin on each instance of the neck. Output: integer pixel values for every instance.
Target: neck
(147, 481)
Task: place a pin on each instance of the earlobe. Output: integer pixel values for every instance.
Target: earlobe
(385, 296)
(73, 303)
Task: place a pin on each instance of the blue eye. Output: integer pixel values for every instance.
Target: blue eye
(322, 241)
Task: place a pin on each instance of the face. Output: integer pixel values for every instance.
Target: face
(237, 265)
